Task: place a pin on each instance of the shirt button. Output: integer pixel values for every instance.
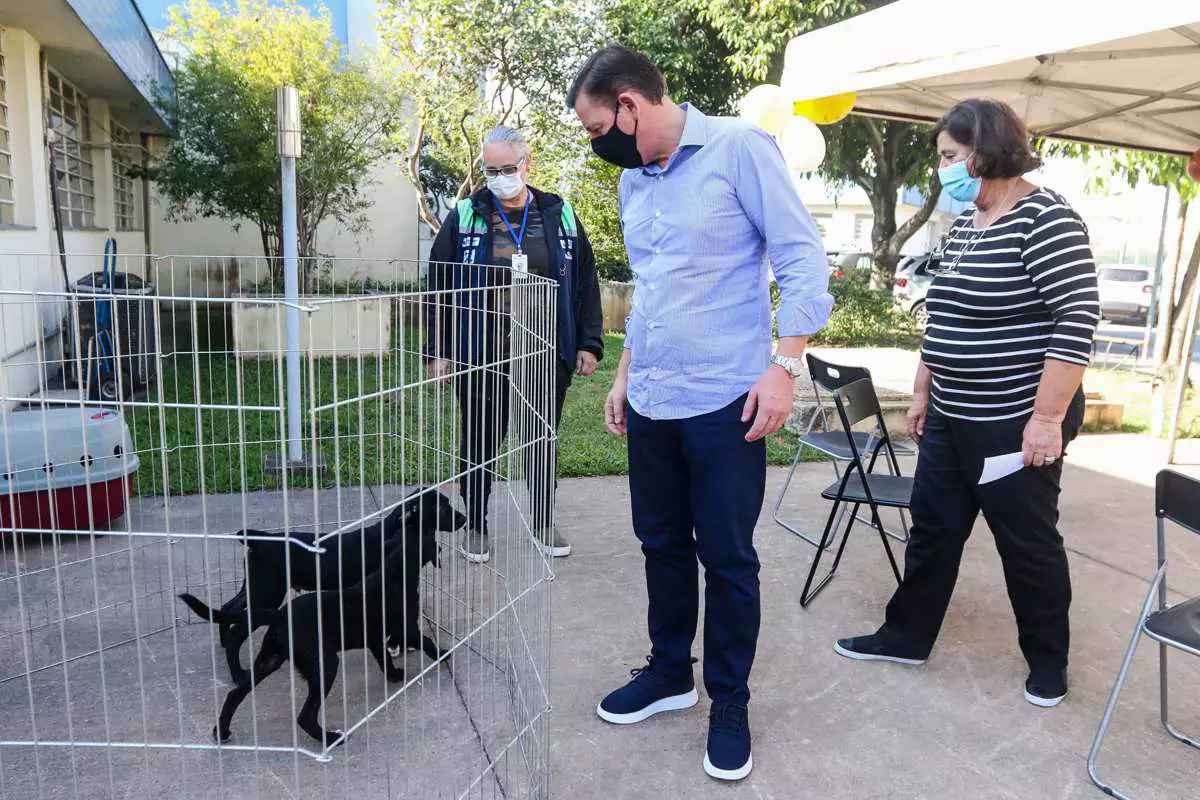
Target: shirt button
(657, 214)
(657, 250)
(653, 286)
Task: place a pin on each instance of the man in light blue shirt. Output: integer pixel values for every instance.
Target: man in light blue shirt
(706, 205)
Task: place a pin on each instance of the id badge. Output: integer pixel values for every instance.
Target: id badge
(520, 262)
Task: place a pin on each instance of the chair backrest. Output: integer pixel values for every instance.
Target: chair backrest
(831, 377)
(1177, 498)
(857, 401)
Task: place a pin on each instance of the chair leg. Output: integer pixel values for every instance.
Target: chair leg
(1164, 706)
(883, 537)
(809, 592)
(899, 537)
(787, 483)
(1111, 707)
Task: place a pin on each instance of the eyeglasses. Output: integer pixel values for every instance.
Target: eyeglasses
(965, 247)
(507, 171)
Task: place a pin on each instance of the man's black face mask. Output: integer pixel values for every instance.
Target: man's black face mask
(617, 147)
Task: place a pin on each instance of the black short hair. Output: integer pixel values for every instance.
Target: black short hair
(616, 69)
(996, 134)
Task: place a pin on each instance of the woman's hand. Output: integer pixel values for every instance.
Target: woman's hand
(440, 370)
(916, 417)
(585, 363)
(1042, 442)
(615, 406)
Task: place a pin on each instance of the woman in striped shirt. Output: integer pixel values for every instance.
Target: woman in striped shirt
(1012, 312)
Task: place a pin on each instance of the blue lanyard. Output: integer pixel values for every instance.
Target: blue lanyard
(517, 239)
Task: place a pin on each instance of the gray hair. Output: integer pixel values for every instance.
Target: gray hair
(502, 134)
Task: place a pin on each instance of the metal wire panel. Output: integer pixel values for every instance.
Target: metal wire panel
(110, 686)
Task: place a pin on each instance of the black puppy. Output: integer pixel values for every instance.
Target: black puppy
(347, 558)
(382, 611)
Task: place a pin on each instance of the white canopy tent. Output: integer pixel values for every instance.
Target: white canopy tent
(1087, 71)
(1075, 69)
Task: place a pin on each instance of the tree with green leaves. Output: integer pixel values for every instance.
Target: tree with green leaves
(224, 162)
(881, 157)
(1177, 287)
(466, 67)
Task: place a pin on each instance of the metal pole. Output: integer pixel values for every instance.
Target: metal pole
(1158, 268)
(289, 150)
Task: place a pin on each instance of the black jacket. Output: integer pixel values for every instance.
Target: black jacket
(456, 250)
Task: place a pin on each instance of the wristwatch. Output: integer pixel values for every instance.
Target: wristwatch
(793, 365)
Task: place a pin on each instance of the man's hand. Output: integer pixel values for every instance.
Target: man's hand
(916, 417)
(615, 407)
(1042, 442)
(440, 370)
(770, 402)
(585, 363)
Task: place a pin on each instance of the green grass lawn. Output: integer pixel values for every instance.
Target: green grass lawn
(378, 436)
(1134, 389)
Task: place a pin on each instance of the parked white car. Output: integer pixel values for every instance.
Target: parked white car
(1126, 291)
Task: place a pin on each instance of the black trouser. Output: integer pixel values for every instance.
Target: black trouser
(696, 487)
(1022, 512)
(483, 401)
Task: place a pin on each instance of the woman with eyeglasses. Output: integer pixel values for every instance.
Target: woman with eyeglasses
(1012, 311)
(507, 227)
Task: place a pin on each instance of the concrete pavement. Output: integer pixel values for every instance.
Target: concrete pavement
(824, 727)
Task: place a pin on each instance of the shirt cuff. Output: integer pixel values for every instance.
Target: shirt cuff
(804, 318)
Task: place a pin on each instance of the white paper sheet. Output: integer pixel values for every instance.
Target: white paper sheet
(998, 467)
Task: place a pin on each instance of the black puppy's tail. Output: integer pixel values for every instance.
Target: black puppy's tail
(261, 616)
(211, 614)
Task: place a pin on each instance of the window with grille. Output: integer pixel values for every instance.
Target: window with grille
(125, 197)
(862, 228)
(8, 198)
(823, 222)
(73, 154)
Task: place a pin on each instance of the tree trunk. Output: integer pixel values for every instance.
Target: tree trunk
(414, 177)
(887, 238)
(1176, 350)
(885, 250)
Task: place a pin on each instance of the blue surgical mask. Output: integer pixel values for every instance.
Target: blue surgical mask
(958, 181)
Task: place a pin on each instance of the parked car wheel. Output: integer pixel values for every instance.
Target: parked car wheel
(920, 314)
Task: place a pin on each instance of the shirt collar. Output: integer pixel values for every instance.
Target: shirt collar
(695, 136)
(695, 128)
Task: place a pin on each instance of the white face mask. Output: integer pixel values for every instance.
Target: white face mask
(506, 187)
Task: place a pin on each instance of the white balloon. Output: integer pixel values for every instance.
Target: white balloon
(767, 107)
(803, 144)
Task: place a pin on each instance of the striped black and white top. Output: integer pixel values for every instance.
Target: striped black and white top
(1017, 293)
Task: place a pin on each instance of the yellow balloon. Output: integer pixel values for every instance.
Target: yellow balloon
(825, 110)
(767, 107)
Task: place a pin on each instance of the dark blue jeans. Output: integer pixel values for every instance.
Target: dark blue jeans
(696, 488)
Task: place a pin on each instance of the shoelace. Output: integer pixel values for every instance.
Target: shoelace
(727, 718)
(647, 670)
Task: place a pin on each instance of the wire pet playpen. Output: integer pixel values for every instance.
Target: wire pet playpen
(110, 686)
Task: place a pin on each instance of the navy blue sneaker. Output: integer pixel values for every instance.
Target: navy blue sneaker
(650, 692)
(728, 756)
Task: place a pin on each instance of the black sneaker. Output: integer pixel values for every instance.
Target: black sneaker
(1046, 688)
(728, 755)
(879, 647)
(652, 691)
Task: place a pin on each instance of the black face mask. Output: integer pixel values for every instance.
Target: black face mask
(617, 147)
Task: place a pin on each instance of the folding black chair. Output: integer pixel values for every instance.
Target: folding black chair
(1177, 498)
(858, 484)
(834, 443)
